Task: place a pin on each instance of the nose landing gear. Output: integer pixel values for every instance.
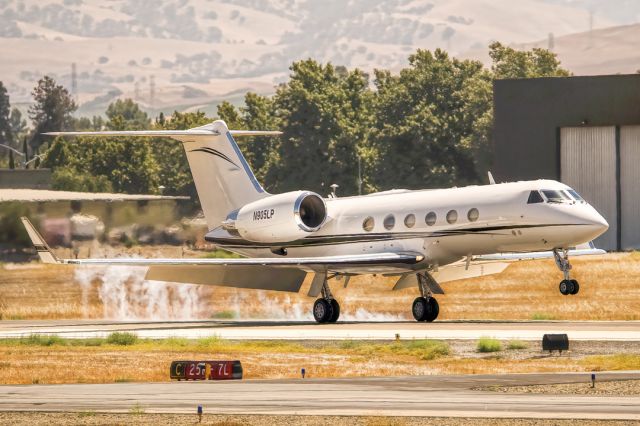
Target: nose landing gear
(567, 285)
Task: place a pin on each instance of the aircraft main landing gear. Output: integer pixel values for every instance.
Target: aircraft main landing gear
(326, 309)
(425, 307)
(567, 285)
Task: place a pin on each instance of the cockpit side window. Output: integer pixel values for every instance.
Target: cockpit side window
(535, 197)
(554, 196)
(575, 195)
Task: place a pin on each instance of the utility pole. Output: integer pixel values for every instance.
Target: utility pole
(152, 90)
(74, 82)
(359, 175)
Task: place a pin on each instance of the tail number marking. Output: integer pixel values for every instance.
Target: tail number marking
(263, 214)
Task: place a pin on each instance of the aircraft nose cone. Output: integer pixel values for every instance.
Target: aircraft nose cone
(600, 223)
(597, 224)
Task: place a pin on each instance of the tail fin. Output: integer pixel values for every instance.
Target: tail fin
(223, 178)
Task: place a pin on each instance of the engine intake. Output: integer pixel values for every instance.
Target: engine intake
(281, 218)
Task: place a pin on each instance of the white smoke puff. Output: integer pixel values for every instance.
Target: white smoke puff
(362, 314)
(126, 295)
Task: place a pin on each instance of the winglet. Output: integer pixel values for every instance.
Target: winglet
(46, 256)
(492, 181)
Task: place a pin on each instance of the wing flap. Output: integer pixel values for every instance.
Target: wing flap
(251, 277)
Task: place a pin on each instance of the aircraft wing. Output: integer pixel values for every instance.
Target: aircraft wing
(323, 262)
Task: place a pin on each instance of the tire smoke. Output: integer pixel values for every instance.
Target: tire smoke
(125, 295)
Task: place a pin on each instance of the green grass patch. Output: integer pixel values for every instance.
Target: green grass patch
(424, 349)
(542, 316)
(122, 338)
(137, 409)
(224, 315)
(220, 254)
(86, 414)
(44, 340)
(421, 349)
(487, 344)
(517, 344)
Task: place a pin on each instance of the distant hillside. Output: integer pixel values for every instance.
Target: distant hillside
(614, 50)
(193, 53)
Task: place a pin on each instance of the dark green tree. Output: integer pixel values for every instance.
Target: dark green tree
(126, 115)
(257, 114)
(322, 113)
(6, 132)
(173, 168)
(86, 124)
(18, 126)
(510, 63)
(425, 122)
(52, 110)
(230, 114)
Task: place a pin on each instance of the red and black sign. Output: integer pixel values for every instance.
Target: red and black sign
(205, 370)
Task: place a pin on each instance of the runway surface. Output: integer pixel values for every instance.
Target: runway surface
(451, 330)
(450, 396)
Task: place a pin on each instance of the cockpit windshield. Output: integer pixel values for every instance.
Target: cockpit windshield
(554, 196)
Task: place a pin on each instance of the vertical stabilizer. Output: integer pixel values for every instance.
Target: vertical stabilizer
(222, 176)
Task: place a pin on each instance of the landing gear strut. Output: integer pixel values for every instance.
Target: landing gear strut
(425, 307)
(567, 285)
(326, 309)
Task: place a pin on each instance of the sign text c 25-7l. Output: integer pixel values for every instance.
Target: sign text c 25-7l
(263, 214)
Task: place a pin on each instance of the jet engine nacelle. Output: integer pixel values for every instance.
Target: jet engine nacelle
(281, 218)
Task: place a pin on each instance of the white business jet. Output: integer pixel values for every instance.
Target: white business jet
(422, 238)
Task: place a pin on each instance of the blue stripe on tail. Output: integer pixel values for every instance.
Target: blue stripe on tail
(245, 165)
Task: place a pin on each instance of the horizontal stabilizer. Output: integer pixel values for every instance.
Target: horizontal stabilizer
(44, 252)
(178, 134)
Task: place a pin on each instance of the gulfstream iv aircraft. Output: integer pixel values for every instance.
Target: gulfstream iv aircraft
(422, 238)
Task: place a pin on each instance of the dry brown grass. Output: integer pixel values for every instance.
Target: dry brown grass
(91, 418)
(526, 290)
(63, 362)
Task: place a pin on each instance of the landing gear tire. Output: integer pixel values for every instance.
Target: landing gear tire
(425, 310)
(419, 308)
(433, 309)
(335, 306)
(322, 311)
(576, 287)
(569, 287)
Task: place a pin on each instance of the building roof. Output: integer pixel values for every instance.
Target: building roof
(35, 195)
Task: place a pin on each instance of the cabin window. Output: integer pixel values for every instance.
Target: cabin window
(389, 222)
(410, 220)
(430, 218)
(368, 224)
(452, 217)
(535, 197)
(554, 196)
(473, 215)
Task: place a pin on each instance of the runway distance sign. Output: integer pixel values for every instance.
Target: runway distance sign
(205, 370)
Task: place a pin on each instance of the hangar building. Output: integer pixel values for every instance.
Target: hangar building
(583, 131)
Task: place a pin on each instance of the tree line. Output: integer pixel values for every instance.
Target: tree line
(427, 126)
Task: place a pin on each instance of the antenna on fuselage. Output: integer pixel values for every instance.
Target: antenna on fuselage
(492, 181)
